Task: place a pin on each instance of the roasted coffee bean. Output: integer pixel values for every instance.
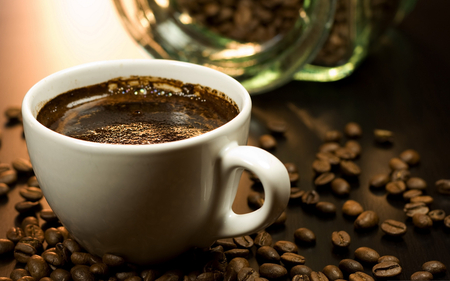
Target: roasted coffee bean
(63, 252)
(6, 246)
(255, 199)
(329, 157)
(99, 269)
(300, 270)
(22, 165)
(300, 278)
(366, 219)
(367, 255)
(38, 267)
(395, 187)
(321, 166)
(5, 278)
(81, 258)
(383, 136)
(340, 187)
(291, 167)
(393, 227)
(354, 147)
(53, 236)
(32, 230)
(18, 273)
(447, 221)
(324, 179)
(422, 221)
(277, 126)
(407, 195)
(397, 164)
(27, 278)
(360, 276)
(400, 175)
(31, 193)
(206, 276)
(326, 208)
(48, 215)
(421, 276)
(410, 156)
(33, 241)
(29, 220)
(233, 267)
(332, 136)
(317, 276)
(411, 209)
(305, 235)
(272, 271)
(443, 186)
(234, 253)
(293, 177)
(72, 245)
(15, 234)
(386, 269)
(437, 215)
(23, 251)
(281, 219)
(291, 259)
(5, 167)
(350, 266)
(379, 180)
(310, 197)
(353, 130)
(32, 181)
(244, 241)
(52, 258)
(427, 199)
(267, 142)
(349, 168)
(434, 267)
(263, 238)
(329, 147)
(296, 193)
(345, 153)
(4, 189)
(81, 273)
(171, 275)
(8, 177)
(352, 208)
(332, 272)
(113, 260)
(26, 206)
(152, 274)
(125, 275)
(13, 113)
(285, 247)
(416, 183)
(340, 239)
(388, 258)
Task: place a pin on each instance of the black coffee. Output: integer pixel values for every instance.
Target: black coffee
(137, 110)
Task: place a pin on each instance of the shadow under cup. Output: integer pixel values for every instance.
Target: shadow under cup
(150, 203)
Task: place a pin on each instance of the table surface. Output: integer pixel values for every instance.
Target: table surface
(402, 87)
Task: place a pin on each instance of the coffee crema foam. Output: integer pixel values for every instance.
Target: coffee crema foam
(137, 110)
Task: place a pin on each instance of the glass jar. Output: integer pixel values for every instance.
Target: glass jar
(261, 43)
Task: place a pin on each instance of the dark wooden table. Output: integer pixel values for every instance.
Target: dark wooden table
(402, 87)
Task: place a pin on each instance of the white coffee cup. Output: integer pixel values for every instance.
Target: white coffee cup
(150, 203)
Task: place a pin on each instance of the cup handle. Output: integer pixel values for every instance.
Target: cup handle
(275, 181)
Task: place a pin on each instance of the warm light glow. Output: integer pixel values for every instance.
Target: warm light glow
(162, 3)
(235, 50)
(185, 18)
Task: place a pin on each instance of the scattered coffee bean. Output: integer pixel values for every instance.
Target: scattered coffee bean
(353, 130)
(345, 153)
(292, 259)
(310, 198)
(321, 166)
(329, 157)
(53, 258)
(234, 253)
(27, 278)
(13, 113)
(349, 168)
(317, 276)
(393, 228)
(395, 187)
(285, 247)
(397, 164)
(32, 181)
(206, 276)
(267, 142)
(4, 188)
(291, 167)
(407, 195)
(329, 147)
(48, 215)
(324, 179)
(443, 186)
(53, 236)
(99, 269)
(383, 136)
(267, 254)
(15, 234)
(434, 267)
(33, 241)
(244, 241)
(340, 187)
(5, 167)
(81, 273)
(360, 276)
(31, 193)
(72, 245)
(263, 238)
(354, 147)
(300, 270)
(23, 251)
(332, 272)
(388, 258)
(386, 269)
(326, 208)
(411, 209)
(340, 239)
(366, 219)
(350, 266)
(281, 219)
(352, 208)
(277, 126)
(231, 270)
(8, 177)
(18, 273)
(422, 198)
(447, 221)
(272, 271)
(437, 215)
(332, 136)
(32, 230)
(29, 220)
(305, 235)
(416, 183)
(421, 276)
(113, 260)
(296, 193)
(410, 156)
(300, 278)
(293, 177)
(422, 221)
(38, 267)
(26, 206)
(379, 180)
(255, 199)
(6, 246)
(400, 175)
(367, 255)
(22, 165)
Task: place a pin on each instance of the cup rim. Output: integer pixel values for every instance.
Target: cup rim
(239, 120)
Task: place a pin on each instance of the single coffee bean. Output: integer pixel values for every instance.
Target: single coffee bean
(410, 156)
(263, 238)
(8, 177)
(332, 136)
(291, 167)
(234, 253)
(383, 136)
(15, 234)
(32, 230)
(427, 199)
(329, 157)
(388, 258)
(171, 275)
(395, 187)
(310, 198)
(32, 181)
(31, 193)
(393, 228)
(60, 274)
(340, 187)
(244, 241)
(434, 267)
(233, 267)
(421, 276)
(360, 276)
(29, 220)
(407, 195)
(293, 177)
(272, 271)
(386, 269)
(329, 147)
(324, 179)
(317, 276)
(447, 221)
(23, 251)
(349, 168)
(300, 278)
(53, 236)
(397, 164)
(350, 266)
(367, 255)
(400, 175)
(72, 245)
(422, 221)
(206, 276)
(443, 186)
(321, 166)
(26, 206)
(416, 183)
(81, 258)
(352, 208)
(326, 208)
(48, 215)
(81, 273)
(379, 180)
(38, 267)
(305, 235)
(340, 239)
(22, 165)
(437, 215)
(411, 209)
(4, 189)
(27, 278)
(353, 130)
(33, 241)
(366, 219)
(354, 147)
(226, 243)
(300, 270)
(113, 260)
(6, 246)
(267, 142)
(255, 199)
(18, 273)
(285, 247)
(296, 193)
(53, 258)
(5, 167)
(277, 126)
(281, 219)
(345, 153)
(332, 272)
(13, 113)
(291, 259)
